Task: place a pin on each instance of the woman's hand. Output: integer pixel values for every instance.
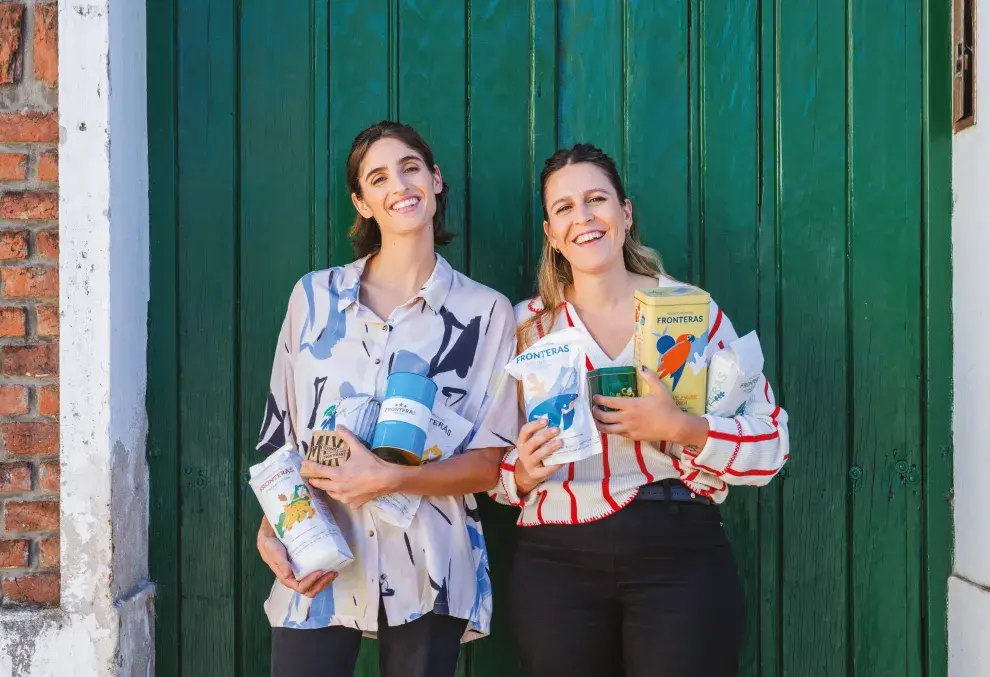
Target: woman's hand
(651, 418)
(534, 444)
(273, 552)
(362, 478)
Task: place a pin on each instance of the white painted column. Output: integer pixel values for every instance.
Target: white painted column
(969, 588)
(105, 623)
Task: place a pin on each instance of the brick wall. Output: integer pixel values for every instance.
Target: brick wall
(29, 466)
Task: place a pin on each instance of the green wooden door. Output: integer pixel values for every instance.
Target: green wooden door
(791, 157)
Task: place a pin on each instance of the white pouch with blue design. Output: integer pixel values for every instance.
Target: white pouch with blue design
(553, 373)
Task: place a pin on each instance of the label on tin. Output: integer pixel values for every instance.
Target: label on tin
(671, 339)
(405, 410)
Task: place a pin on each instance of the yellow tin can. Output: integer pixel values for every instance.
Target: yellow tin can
(671, 338)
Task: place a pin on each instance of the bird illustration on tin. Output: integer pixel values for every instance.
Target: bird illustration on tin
(675, 354)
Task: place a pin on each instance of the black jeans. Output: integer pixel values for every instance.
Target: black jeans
(426, 647)
(651, 591)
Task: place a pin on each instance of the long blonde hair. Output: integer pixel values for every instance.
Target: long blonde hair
(554, 275)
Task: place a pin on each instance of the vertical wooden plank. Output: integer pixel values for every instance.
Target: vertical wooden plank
(767, 625)
(163, 365)
(499, 217)
(432, 98)
(914, 542)
(207, 211)
(658, 142)
(937, 299)
(542, 124)
(320, 121)
(276, 239)
(885, 333)
(730, 203)
(589, 95)
(815, 369)
(696, 185)
(359, 95)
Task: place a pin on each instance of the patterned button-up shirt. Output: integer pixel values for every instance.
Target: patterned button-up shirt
(460, 334)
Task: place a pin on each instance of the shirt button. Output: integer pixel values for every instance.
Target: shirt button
(378, 360)
(387, 327)
(371, 534)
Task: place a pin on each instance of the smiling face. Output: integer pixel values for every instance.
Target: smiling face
(398, 189)
(587, 222)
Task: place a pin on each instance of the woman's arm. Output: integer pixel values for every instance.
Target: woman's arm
(366, 476)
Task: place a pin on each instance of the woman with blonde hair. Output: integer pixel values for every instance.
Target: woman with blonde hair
(623, 567)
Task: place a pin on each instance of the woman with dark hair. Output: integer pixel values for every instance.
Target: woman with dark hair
(622, 566)
(399, 306)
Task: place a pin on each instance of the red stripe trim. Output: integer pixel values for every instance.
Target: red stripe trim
(718, 323)
(531, 305)
(608, 474)
(507, 467)
(774, 415)
(739, 439)
(642, 463)
(539, 506)
(766, 391)
(755, 472)
(721, 345)
(567, 488)
(505, 490)
(570, 323)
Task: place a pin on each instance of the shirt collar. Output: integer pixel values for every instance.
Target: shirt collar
(347, 285)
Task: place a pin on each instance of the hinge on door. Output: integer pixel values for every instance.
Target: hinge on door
(964, 64)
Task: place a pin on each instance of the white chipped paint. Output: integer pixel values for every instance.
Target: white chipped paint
(106, 607)
(969, 598)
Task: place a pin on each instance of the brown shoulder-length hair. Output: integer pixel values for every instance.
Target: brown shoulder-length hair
(554, 275)
(365, 234)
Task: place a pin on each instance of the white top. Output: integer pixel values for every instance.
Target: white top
(459, 333)
(746, 449)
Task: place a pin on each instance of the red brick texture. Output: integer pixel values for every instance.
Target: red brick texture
(11, 28)
(29, 312)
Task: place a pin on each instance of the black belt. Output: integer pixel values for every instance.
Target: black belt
(670, 490)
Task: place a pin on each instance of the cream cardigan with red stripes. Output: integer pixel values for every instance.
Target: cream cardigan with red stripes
(748, 449)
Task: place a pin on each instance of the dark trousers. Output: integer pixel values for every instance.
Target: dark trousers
(651, 591)
(426, 647)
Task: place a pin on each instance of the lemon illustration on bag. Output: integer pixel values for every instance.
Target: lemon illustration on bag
(297, 510)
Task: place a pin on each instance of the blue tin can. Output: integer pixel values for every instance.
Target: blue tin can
(404, 418)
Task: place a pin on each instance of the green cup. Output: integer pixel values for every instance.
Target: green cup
(612, 382)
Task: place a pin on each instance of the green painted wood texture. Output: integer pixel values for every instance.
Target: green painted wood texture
(792, 157)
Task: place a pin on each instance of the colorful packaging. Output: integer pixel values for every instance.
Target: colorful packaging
(302, 521)
(671, 338)
(612, 382)
(555, 387)
(404, 420)
(447, 434)
(733, 374)
(357, 414)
